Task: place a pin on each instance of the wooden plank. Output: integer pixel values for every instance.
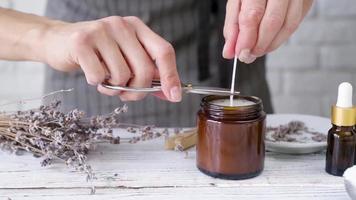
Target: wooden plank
(206, 193)
(182, 141)
(142, 167)
(146, 169)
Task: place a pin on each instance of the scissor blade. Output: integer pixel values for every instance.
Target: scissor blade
(211, 91)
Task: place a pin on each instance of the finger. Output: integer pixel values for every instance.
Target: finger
(156, 74)
(307, 4)
(106, 91)
(160, 95)
(292, 21)
(250, 17)
(89, 62)
(141, 65)
(116, 65)
(231, 28)
(163, 54)
(271, 24)
(114, 60)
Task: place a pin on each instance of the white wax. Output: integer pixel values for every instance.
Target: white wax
(235, 102)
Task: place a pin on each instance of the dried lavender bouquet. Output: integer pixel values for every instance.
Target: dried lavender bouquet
(51, 134)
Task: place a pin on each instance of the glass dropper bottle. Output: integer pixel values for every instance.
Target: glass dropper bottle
(341, 147)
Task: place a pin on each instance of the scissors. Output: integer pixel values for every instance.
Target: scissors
(187, 88)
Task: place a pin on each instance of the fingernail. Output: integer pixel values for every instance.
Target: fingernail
(246, 56)
(250, 59)
(176, 94)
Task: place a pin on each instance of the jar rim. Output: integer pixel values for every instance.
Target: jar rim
(207, 101)
(244, 112)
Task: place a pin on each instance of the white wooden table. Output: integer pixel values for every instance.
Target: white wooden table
(147, 171)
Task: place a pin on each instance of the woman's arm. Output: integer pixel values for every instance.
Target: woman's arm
(122, 49)
(21, 35)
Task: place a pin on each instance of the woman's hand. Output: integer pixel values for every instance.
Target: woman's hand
(255, 27)
(121, 50)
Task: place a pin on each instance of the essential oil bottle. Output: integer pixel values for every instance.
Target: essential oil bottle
(341, 148)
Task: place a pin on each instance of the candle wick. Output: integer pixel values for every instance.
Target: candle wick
(233, 82)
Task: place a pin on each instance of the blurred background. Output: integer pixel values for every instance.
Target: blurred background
(303, 74)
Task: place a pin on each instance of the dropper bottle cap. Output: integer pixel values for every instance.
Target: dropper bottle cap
(344, 113)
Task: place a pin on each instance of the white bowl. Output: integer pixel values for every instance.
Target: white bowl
(314, 123)
(350, 181)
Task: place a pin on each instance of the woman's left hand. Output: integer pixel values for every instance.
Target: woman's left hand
(255, 27)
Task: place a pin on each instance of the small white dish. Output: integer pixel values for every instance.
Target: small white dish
(314, 123)
(350, 181)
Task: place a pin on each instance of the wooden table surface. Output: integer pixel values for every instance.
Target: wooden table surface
(147, 171)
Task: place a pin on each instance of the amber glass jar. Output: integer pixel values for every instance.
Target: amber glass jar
(231, 138)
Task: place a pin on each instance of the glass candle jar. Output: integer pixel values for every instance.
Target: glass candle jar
(231, 138)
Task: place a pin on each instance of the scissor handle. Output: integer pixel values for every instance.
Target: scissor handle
(155, 87)
(157, 83)
(131, 89)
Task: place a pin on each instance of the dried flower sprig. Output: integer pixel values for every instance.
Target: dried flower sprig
(288, 133)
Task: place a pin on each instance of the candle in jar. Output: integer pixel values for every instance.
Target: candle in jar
(231, 139)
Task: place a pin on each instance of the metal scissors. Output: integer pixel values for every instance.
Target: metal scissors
(187, 88)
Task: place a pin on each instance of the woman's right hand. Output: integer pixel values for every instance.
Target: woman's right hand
(254, 28)
(122, 50)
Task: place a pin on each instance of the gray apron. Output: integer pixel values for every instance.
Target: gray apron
(177, 22)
